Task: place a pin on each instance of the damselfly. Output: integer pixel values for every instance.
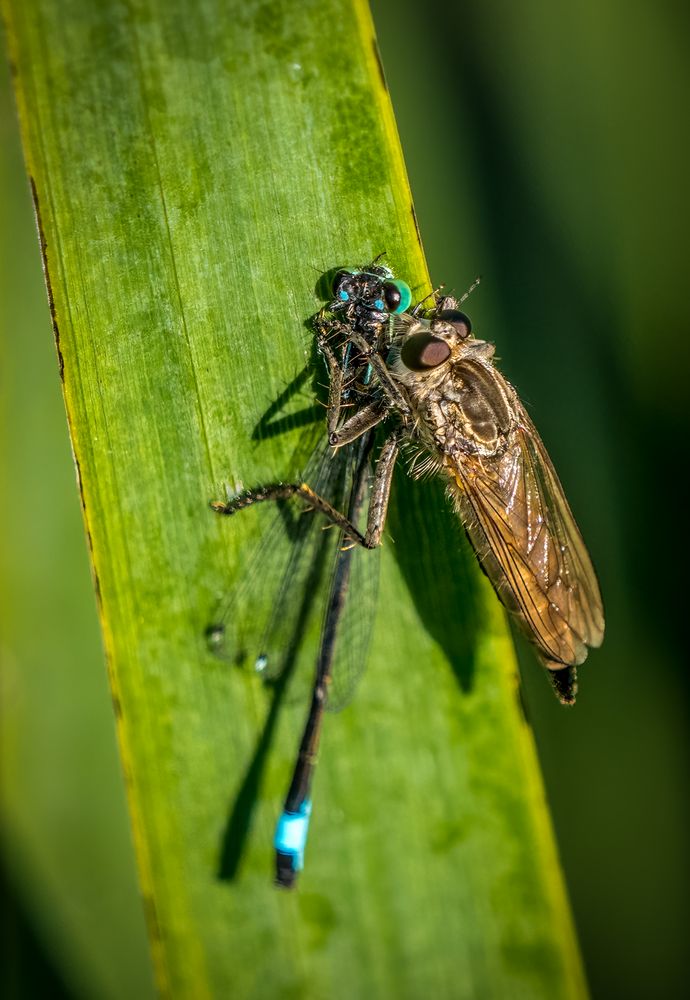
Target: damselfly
(363, 299)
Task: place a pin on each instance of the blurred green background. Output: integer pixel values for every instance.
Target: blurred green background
(548, 151)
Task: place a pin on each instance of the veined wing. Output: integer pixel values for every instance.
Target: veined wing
(520, 524)
(356, 616)
(278, 608)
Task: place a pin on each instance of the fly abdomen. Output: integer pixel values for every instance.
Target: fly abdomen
(470, 411)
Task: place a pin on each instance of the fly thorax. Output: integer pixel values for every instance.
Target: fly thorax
(471, 410)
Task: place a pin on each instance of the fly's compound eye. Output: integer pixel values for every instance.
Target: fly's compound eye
(422, 351)
(397, 296)
(458, 320)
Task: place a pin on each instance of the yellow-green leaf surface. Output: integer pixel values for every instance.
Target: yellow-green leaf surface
(195, 167)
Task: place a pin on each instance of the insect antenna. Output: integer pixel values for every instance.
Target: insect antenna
(469, 291)
(431, 295)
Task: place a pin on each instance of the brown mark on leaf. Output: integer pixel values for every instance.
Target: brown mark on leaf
(416, 225)
(379, 63)
(151, 917)
(77, 466)
(89, 539)
(46, 274)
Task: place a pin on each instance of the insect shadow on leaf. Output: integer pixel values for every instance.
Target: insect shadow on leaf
(435, 561)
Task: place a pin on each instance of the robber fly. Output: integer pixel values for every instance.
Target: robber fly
(469, 425)
(466, 422)
(363, 299)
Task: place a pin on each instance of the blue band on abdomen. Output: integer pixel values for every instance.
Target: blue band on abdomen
(291, 834)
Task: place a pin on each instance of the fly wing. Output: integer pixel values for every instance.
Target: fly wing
(520, 524)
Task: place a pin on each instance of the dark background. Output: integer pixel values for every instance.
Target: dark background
(547, 148)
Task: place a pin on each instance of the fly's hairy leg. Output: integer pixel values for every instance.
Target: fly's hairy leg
(381, 489)
(283, 491)
(389, 386)
(378, 504)
(324, 331)
(365, 419)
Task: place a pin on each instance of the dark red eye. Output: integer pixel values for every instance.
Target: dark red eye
(397, 295)
(391, 295)
(422, 351)
(459, 320)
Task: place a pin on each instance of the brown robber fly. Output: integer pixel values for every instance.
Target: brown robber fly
(471, 427)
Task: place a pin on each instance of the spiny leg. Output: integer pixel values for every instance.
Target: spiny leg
(389, 386)
(381, 488)
(283, 491)
(378, 504)
(324, 329)
(363, 420)
(366, 417)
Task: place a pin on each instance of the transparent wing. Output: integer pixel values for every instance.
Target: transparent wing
(279, 606)
(277, 594)
(520, 524)
(356, 619)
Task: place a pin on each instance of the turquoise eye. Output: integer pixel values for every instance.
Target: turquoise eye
(397, 295)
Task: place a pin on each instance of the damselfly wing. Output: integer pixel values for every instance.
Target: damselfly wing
(275, 612)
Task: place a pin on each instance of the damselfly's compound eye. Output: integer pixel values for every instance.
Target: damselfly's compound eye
(339, 288)
(459, 320)
(422, 351)
(397, 296)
